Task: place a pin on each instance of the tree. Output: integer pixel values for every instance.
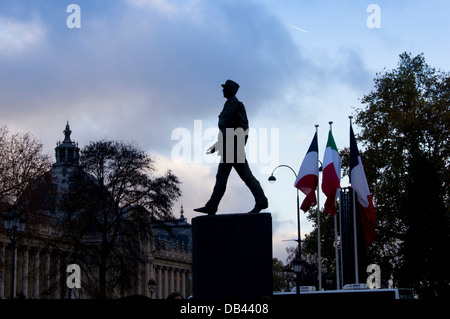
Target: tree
(107, 224)
(309, 272)
(310, 248)
(279, 282)
(21, 161)
(424, 252)
(327, 239)
(405, 129)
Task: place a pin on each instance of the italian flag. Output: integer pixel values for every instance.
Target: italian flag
(359, 184)
(308, 176)
(331, 175)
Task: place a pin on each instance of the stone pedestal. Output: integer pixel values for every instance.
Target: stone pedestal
(232, 256)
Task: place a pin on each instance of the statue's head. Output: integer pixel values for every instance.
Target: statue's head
(230, 88)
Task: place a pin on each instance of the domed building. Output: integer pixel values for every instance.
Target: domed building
(48, 194)
(41, 260)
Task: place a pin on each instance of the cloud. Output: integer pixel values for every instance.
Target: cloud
(166, 7)
(141, 72)
(138, 69)
(18, 36)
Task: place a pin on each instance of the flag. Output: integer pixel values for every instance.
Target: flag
(308, 176)
(359, 184)
(331, 175)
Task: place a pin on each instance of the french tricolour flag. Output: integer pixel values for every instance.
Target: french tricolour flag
(308, 176)
(359, 184)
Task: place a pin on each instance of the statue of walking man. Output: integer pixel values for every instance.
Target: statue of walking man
(233, 134)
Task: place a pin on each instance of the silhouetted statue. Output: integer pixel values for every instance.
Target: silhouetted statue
(233, 134)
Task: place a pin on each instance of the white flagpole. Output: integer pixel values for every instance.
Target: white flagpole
(318, 223)
(335, 231)
(340, 241)
(355, 237)
(336, 250)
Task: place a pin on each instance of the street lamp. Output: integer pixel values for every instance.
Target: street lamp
(297, 266)
(14, 223)
(272, 180)
(151, 287)
(297, 262)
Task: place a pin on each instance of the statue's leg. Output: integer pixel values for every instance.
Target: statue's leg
(252, 183)
(223, 172)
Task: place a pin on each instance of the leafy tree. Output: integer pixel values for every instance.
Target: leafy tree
(327, 240)
(327, 251)
(279, 282)
(424, 263)
(404, 126)
(405, 129)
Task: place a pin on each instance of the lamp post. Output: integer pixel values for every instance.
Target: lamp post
(151, 287)
(297, 263)
(297, 258)
(14, 223)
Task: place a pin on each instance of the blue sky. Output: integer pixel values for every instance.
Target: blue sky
(139, 70)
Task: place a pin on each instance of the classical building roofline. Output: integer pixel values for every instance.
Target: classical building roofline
(67, 153)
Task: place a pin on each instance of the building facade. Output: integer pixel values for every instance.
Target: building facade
(41, 269)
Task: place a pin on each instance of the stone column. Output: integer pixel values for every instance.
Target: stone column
(183, 284)
(189, 283)
(2, 271)
(177, 278)
(36, 276)
(138, 288)
(14, 268)
(159, 284)
(57, 277)
(172, 280)
(46, 278)
(166, 283)
(25, 272)
(147, 271)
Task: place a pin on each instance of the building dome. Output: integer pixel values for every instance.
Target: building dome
(67, 153)
(49, 193)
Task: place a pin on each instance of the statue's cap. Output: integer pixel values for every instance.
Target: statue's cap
(231, 84)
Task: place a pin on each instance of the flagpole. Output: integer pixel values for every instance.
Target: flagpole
(318, 224)
(336, 250)
(355, 237)
(299, 252)
(340, 238)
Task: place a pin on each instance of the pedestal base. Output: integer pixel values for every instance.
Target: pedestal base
(232, 256)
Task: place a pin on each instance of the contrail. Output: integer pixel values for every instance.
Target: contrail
(296, 28)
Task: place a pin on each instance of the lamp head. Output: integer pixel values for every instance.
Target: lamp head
(151, 285)
(272, 179)
(297, 263)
